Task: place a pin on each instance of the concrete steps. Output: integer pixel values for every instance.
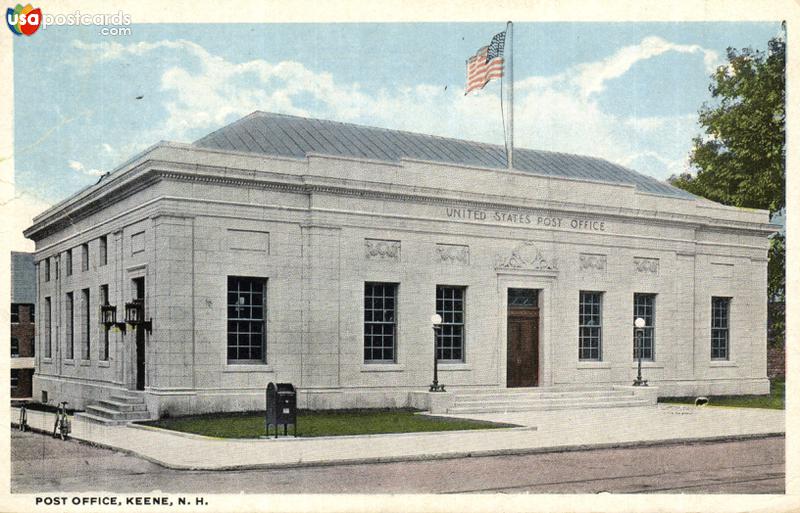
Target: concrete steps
(513, 400)
(120, 408)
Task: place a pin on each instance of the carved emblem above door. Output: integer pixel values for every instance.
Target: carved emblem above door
(526, 256)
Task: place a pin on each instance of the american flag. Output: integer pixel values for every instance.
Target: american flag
(487, 64)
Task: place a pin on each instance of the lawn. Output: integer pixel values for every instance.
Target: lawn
(321, 423)
(775, 400)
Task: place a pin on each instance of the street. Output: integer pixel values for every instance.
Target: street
(41, 464)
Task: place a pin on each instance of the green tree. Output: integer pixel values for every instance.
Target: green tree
(740, 157)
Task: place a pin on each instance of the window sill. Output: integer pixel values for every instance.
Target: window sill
(47, 360)
(722, 363)
(382, 367)
(85, 363)
(455, 367)
(69, 361)
(594, 365)
(247, 367)
(648, 365)
(104, 363)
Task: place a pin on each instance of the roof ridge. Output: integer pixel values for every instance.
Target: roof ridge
(395, 130)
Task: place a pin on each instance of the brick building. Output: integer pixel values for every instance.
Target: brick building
(23, 317)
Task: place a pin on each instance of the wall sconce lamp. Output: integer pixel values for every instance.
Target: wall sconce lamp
(134, 315)
(108, 318)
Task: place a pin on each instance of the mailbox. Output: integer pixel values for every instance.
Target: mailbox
(281, 407)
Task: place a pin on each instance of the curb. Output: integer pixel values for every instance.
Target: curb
(444, 456)
(476, 454)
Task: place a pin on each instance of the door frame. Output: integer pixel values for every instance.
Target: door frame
(545, 282)
(139, 334)
(128, 341)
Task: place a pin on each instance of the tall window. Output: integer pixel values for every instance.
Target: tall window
(84, 257)
(450, 339)
(246, 314)
(380, 322)
(104, 301)
(590, 326)
(48, 336)
(15, 312)
(85, 346)
(103, 250)
(14, 347)
(32, 311)
(14, 379)
(70, 314)
(644, 307)
(46, 269)
(68, 263)
(720, 327)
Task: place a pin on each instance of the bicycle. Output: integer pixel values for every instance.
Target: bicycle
(23, 418)
(62, 426)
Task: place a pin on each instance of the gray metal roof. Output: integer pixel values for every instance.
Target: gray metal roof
(291, 136)
(23, 278)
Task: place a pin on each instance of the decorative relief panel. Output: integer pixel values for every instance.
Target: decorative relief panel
(382, 249)
(526, 256)
(589, 262)
(646, 265)
(452, 254)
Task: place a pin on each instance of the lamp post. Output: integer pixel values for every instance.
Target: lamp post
(436, 321)
(639, 325)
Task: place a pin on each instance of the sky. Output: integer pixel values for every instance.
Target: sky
(628, 92)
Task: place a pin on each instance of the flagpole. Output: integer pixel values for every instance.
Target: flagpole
(510, 156)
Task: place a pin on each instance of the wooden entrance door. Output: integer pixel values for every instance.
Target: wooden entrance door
(522, 368)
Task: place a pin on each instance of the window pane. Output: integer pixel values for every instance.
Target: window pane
(70, 313)
(380, 325)
(644, 308)
(720, 331)
(86, 340)
(450, 335)
(590, 325)
(48, 347)
(246, 316)
(522, 297)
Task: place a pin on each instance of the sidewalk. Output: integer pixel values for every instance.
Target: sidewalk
(539, 432)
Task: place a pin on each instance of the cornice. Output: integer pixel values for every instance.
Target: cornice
(149, 172)
(433, 196)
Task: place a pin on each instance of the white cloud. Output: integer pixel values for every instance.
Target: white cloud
(591, 77)
(80, 168)
(558, 113)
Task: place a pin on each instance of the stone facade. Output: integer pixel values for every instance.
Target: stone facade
(317, 229)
